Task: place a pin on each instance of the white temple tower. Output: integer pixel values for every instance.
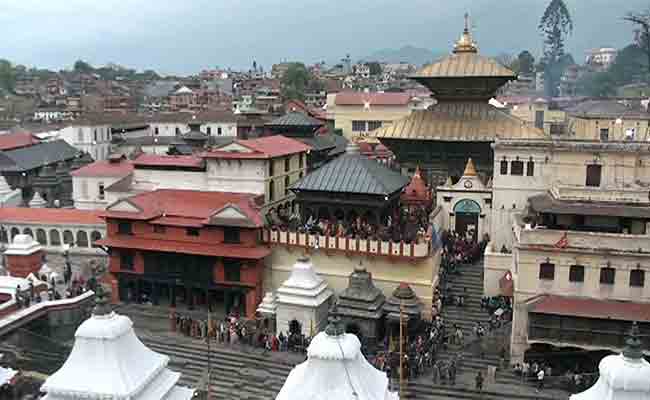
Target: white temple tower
(303, 299)
(336, 370)
(624, 376)
(108, 361)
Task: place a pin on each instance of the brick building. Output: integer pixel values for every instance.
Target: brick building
(191, 246)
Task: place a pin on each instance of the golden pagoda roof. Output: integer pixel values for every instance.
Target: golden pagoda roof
(470, 170)
(460, 121)
(464, 62)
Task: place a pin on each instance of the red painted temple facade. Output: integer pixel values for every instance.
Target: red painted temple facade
(192, 247)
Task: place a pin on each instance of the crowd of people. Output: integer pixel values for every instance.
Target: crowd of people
(234, 330)
(408, 226)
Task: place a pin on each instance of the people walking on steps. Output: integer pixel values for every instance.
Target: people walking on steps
(479, 381)
(540, 379)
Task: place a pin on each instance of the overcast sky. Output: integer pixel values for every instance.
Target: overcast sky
(184, 36)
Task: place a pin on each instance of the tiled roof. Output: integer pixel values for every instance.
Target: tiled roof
(28, 158)
(50, 216)
(374, 98)
(216, 116)
(609, 109)
(459, 121)
(154, 160)
(353, 173)
(546, 203)
(10, 141)
(172, 246)
(416, 190)
(105, 169)
(262, 148)
(591, 308)
(189, 204)
(463, 65)
(179, 117)
(295, 118)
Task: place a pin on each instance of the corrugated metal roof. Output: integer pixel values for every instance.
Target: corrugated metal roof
(28, 158)
(295, 118)
(353, 173)
(461, 65)
(456, 121)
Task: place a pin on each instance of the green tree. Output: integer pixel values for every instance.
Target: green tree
(375, 68)
(295, 81)
(555, 25)
(597, 84)
(526, 62)
(642, 21)
(7, 76)
(83, 67)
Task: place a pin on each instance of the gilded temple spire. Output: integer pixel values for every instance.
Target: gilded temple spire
(465, 44)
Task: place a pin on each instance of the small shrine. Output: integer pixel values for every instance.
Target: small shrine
(416, 194)
(108, 361)
(466, 203)
(195, 137)
(267, 310)
(303, 300)
(402, 302)
(24, 256)
(624, 376)
(336, 369)
(360, 307)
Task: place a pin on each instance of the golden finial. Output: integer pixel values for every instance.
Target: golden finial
(470, 170)
(465, 44)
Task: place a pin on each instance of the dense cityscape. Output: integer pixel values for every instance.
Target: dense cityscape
(474, 226)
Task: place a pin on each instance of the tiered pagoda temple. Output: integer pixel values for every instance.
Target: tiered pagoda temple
(462, 124)
(348, 187)
(360, 307)
(312, 132)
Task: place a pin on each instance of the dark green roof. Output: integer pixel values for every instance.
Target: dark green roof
(353, 173)
(28, 158)
(295, 118)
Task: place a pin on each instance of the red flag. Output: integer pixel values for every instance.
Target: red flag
(563, 243)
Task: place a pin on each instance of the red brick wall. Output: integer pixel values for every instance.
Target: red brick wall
(21, 266)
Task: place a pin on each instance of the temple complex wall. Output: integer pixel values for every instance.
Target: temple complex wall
(495, 266)
(387, 273)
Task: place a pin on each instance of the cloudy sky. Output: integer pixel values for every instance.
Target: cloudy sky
(184, 36)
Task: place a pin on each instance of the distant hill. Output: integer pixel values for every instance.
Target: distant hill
(409, 54)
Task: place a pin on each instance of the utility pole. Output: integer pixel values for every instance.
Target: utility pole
(207, 337)
(401, 350)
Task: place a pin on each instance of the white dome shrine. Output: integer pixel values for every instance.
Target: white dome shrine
(336, 369)
(108, 361)
(624, 376)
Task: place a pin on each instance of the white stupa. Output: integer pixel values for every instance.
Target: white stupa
(304, 297)
(624, 376)
(37, 201)
(268, 306)
(108, 361)
(336, 370)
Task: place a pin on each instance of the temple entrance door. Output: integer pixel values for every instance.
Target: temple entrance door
(467, 213)
(294, 327)
(465, 221)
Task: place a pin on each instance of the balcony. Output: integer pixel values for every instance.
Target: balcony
(627, 195)
(349, 246)
(543, 237)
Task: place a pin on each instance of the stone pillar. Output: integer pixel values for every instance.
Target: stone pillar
(24, 256)
(251, 303)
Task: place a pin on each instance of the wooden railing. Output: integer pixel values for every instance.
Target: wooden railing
(347, 245)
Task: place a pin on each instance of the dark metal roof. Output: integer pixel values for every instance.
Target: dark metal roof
(318, 143)
(609, 109)
(28, 158)
(545, 203)
(353, 173)
(295, 118)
